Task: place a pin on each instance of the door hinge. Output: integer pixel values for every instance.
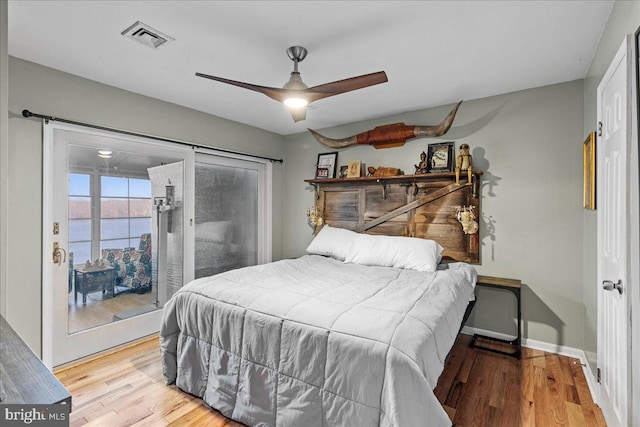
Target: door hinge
(599, 128)
(599, 376)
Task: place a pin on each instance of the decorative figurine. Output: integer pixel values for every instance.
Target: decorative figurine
(422, 167)
(466, 217)
(383, 171)
(464, 163)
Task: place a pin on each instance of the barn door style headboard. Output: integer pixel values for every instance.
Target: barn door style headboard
(423, 206)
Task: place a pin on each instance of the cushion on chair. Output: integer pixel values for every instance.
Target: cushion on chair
(132, 267)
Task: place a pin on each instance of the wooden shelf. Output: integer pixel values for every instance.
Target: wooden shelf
(390, 179)
(499, 281)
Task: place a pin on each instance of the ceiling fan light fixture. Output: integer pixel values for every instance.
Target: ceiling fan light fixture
(295, 102)
(295, 82)
(295, 99)
(296, 95)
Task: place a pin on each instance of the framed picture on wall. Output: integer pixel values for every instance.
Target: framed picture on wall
(354, 169)
(589, 172)
(441, 157)
(326, 166)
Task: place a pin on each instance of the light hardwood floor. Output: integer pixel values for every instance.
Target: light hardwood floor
(99, 310)
(477, 388)
(480, 388)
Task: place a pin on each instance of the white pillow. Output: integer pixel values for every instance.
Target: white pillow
(395, 251)
(333, 242)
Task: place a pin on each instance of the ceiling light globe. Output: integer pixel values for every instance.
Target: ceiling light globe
(295, 102)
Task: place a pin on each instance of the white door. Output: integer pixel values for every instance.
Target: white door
(613, 283)
(98, 205)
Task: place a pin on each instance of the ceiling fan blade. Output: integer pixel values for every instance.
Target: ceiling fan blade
(298, 114)
(346, 85)
(272, 92)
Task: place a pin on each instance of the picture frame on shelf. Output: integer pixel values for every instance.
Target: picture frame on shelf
(354, 169)
(322, 172)
(344, 170)
(326, 165)
(441, 157)
(589, 172)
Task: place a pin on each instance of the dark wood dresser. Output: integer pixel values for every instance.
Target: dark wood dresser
(23, 377)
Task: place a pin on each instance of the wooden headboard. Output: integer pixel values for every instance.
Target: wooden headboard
(421, 206)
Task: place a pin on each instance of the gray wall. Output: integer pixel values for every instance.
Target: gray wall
(47, 91)
(624, 19)
(529, 144)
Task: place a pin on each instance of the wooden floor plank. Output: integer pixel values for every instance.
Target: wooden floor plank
(477, 388)
(575, 417)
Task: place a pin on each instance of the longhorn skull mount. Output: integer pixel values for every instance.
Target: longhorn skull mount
(388, 136)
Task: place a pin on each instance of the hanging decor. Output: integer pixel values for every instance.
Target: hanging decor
(466, 217)
(388, 136)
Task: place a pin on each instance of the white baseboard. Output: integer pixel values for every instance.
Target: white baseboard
(549, 348)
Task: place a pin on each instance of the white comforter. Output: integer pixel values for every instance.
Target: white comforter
(313, 341)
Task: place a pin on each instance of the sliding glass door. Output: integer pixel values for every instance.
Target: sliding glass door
(109, 259)
(127, 221)
(230, 214)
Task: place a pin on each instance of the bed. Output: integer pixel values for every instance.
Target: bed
(353, 334)
(315, 341)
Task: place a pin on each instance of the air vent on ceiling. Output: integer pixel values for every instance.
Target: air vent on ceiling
(144, 34)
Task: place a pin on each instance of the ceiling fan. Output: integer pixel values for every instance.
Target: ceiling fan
(296, 95)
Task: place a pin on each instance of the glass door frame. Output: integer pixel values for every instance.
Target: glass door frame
(265, 180)
(112, 334)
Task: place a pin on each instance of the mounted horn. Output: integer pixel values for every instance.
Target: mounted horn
(387, 136)
(439, 130)
(334, 143)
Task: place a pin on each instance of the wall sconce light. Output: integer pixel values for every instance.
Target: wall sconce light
(466, 217)
(315, 216)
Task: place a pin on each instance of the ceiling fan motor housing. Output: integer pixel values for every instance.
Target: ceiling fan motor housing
(295, 82)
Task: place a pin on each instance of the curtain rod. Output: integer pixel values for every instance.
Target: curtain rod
(27, 113)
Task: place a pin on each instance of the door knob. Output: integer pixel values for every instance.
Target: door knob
(608, 285)
(59, 254)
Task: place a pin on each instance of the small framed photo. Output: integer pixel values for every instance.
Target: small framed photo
(326, 166)
(589, 172)
(354, 169)
(344, 170)
(441, 157)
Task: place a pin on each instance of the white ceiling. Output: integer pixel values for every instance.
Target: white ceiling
(434, 52)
